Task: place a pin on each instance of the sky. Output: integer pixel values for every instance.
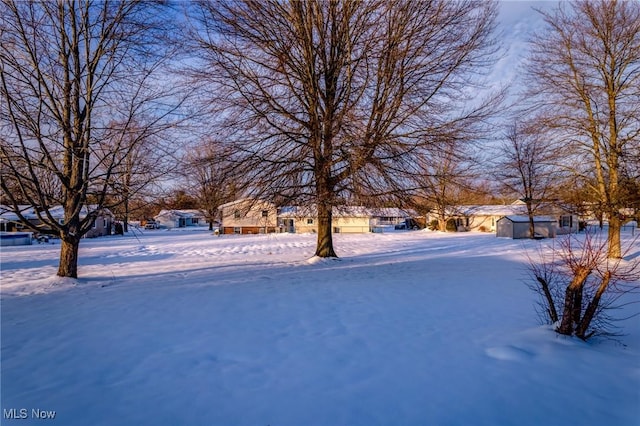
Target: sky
(516, 22)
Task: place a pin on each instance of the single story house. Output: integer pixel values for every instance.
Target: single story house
(9, 221)
(248, 216)
(484, 218)
(296, 219)
(391, 216)
(180, 218)
(517, 227)
(345, 219)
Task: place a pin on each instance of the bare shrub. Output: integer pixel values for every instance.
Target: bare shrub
(580, 286)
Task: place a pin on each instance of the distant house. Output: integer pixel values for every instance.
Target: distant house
(391, 216)
(485, 217)
(248, 216)
(9, 221)
(517, 227)
(345, 219)
(102, 224)
(296, 219)
(180, 218)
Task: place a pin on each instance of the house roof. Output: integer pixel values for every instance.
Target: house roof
(518, 208)
(392, 212)
(245, 201)
(525, 219)
(175, 213)
(344, 211)
(29, 212)
(491, 210)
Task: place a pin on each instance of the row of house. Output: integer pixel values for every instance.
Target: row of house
(249, 216)
(10, 223)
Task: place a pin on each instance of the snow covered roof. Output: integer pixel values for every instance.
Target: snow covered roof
(392, 212)
(491, 210)
(185, 213)
(345, 211)
(244, 201)
(525, 219)
(7, 213)
(29, 212)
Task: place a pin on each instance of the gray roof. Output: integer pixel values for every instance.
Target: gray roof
(525, 219)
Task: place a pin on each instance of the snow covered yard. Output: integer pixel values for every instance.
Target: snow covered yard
(411, 328)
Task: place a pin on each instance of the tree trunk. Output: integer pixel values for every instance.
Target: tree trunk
(324, 246)
(532, 228)
(573, 293)
(442, 224)
(591, 310)
(532, 225)
(614, 251)
(126, 215)
(69, 257)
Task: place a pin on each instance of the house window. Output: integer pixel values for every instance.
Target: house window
(309, 221)
(265, 213)
(194, 220)
(94, 224)
(565, 221)
(236, 214)
(104, 222)
(237, 230)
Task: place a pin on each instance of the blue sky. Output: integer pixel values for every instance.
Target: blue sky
(517, 20)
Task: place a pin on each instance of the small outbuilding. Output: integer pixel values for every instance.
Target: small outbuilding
(517, 227)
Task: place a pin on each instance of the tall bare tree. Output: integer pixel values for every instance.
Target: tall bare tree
(527, 167)
(584, 72)
(68, 71)
(331, 101)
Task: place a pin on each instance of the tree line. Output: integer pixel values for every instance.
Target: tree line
(324, 103)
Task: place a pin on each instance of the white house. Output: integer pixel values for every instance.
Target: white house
(345, 219)
(180, 218)
(485, 217)
(296, 219)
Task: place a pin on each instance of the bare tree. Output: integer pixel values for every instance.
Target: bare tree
(211, 177)
(445, 179)
(584, 73)
(140, 161)
(68, 71)
(332, 101)
(527, 167)
(579, 285)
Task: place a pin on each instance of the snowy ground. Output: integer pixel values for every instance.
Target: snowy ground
(408, 328)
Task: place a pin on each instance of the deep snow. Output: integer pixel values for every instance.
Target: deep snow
(407, 328)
